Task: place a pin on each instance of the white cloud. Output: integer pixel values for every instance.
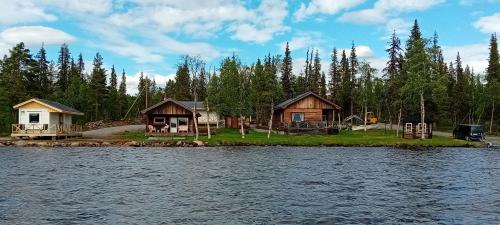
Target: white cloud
(133, 80)
(488, 24)
(329, 7)
(474, 55)
(362, 51)
(385, 9)
(267, 22)
(32, 36)
(15, 12)
(303, 40)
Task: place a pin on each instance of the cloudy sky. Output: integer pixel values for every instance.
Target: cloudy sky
(150, 35)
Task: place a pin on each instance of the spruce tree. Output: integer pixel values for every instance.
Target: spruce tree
(122, 96)
(64, 69)
(346, 85)
(44, 78)
(182, 83)
(112, 98)
(493, 85)
(97, 87)
(286, 74)
(354, 70)
(392, 73)
(417, 69)
(335, 79)
(322, 90)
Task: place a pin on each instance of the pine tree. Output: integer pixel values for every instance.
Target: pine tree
(493, 79)
(97, 86)
(15, 68)
(322, 89)
(286, 74)
(201, 85)
(122, 96)
(112, 98)
(392, 73)
(416, 68)
(182, 89)
(346, 85)
(315, 74)
(64, 67)
(354, 70)
(81, 66)
(169, 89)
(335, 79)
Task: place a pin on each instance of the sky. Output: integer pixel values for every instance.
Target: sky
(150, 36)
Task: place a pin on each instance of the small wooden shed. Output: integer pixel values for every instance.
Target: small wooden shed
(413, 128)
(307, 111)
(45, 118)
(169, 117)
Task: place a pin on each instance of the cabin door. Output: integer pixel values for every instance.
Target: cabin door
(173, 125)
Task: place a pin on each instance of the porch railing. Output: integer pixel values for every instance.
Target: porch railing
(46, 128)
(309, 125)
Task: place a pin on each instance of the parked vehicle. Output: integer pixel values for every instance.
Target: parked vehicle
(371, 118)
(469, 132)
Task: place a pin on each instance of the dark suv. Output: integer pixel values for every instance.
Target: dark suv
(469, 132)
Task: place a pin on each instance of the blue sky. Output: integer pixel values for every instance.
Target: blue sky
(150, 35)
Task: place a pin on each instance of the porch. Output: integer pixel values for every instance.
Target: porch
(311, 126)
(46, 130)
(168, 124)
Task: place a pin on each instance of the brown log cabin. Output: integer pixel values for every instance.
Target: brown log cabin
(306, 112)
(169, 117)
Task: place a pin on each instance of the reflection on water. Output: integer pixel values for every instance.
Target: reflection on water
(249, 185)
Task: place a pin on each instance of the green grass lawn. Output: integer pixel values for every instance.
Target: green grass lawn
(345, 138)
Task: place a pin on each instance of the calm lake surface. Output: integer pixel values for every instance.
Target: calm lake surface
(249, 185)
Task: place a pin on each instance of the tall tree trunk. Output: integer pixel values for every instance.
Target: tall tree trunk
(492, 113)
(241, 125)
(399, 122)
(195, 118)
(365, 114)
(270, 121)
(209, 135)
(422, 115)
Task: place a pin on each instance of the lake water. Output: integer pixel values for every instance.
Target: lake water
(249, 185)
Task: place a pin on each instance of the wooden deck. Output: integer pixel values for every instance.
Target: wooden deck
(46, 130)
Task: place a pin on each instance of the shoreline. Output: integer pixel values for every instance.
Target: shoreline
(180, 143)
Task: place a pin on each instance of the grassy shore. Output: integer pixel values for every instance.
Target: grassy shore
(345, 138)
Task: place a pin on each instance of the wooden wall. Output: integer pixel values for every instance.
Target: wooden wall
(311, 106)
(171, 109)
(310, 102)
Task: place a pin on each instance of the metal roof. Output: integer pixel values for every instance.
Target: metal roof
(301, 96)
(56, 105)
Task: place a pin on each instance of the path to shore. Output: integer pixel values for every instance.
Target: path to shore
(108, 131)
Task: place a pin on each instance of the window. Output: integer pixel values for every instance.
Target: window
(297, 117)
(159, 120)
(183, 121)
(34, 117)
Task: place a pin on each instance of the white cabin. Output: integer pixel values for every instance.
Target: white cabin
(41, 117)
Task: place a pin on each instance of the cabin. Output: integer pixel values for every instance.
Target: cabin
(177, 117)
(306, 112)
(413, 128)
(235, 122)
(45, 118)
(212, 117)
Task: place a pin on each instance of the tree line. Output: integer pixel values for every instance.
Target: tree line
(416, 79)
(23, 76)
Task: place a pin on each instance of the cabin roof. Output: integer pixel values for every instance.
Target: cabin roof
(56, 106)
(191, 104)
(179, 103)
(288, 102)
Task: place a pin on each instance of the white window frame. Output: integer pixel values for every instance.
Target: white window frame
(29, 117)
(163, 120)
(301, 114)
(410, 125)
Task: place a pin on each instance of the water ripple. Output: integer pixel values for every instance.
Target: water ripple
(249, 185)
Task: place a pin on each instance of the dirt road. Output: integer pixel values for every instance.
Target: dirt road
(109, 131)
